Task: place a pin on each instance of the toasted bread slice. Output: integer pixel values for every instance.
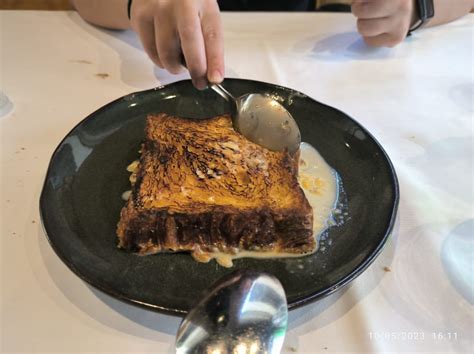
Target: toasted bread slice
(204, 188)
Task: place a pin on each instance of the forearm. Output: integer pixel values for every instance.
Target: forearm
(450, 10)
(105, 13)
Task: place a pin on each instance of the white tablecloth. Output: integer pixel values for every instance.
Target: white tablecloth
(417, 99)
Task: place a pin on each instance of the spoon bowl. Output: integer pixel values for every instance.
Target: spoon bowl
(263, 120)
(244, 312)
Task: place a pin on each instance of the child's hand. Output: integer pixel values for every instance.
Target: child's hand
(384, 22)
(170, 28)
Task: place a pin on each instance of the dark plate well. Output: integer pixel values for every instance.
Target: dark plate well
(81, 200)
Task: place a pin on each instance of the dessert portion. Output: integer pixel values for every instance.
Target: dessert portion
(203, 188)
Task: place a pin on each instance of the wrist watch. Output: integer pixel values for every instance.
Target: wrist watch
(425, 11)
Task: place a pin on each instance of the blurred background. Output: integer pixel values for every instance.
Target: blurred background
(35, 5)
(66, 4)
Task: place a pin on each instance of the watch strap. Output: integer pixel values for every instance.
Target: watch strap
(425, 11)
(129, 9)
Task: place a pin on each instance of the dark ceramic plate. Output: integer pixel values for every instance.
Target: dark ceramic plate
(81, 200)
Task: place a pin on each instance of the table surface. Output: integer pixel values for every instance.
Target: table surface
(417, 99)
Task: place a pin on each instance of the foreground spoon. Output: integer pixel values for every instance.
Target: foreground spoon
(263, 120)
(245, 312)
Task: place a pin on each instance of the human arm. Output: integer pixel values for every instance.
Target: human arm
(387, 22)
(105, 13)
(450, 10)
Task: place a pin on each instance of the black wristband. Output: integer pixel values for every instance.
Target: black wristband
(129, 8)
(424, 11)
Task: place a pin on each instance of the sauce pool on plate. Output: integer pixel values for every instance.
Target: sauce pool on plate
(320, 184)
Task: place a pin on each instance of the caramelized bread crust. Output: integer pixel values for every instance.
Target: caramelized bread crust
(202, 187)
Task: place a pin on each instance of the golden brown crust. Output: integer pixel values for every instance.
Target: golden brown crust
(200, 183)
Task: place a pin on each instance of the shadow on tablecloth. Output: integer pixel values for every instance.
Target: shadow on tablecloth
(330, 309)
(347, 46)
(123, 317)
(136, 69)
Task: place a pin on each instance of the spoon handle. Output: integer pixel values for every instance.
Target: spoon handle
(216, 87)
(223, 92)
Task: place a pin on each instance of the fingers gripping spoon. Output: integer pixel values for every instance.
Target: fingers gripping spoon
(261, 119)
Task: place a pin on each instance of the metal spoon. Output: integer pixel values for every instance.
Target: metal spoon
(263, 120)
(245, 312)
